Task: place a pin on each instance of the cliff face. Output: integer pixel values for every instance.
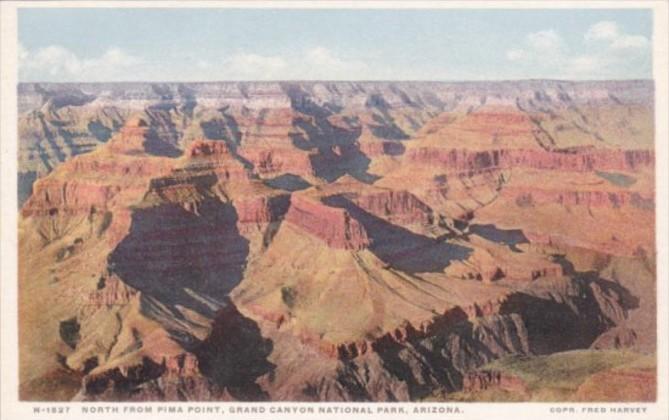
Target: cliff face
(334, 226)
(329, 241)
(400, 207)
(299, 120)
(579, 161)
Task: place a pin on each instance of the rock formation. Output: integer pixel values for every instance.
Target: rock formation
(319, 241)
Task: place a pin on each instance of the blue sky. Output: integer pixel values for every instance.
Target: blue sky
(291, 44)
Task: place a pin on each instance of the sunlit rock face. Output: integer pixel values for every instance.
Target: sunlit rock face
(272, 241)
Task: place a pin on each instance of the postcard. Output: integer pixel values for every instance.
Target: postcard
(334, 210)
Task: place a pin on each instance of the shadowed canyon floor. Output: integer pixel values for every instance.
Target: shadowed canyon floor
(376, 241)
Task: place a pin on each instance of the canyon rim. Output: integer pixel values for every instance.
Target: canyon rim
(331, 225)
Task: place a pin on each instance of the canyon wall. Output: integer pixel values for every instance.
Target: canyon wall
(318, 241)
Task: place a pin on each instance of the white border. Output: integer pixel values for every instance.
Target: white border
(12, 409)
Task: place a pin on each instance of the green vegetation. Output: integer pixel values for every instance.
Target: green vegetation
(554, 377)
(565, 370)
(288, 296)
(69, 332)
(617, 179)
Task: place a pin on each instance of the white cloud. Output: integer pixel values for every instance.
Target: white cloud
(605, 30)
(583, 64)
(323, 63)
(633, 42)
(58, 63)
(548, 45)
(611, 36)
(605, 52)
(545, 41)
(516, 54)
(311, 64)
(255, 66)
(22, 52)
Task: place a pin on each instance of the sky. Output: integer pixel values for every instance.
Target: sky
(97, 45)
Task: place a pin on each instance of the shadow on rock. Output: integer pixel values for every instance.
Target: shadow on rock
(338, 153)
(439, 361)
(399, 247)
(560, 318)
(288, 182)
(557, 325)
(510, 237)
(181, 259)
(235, 355)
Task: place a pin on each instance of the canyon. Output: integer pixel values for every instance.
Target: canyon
(335, 241)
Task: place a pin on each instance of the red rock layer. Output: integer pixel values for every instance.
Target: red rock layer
(583, 160)
(271, 161)
(210, 162)
(268, 124)
(334, 226)
(54, 196)
(261, 209)
(213, 156)
(605, 199)
(90, 182)
(401, 207)
(207, 148)
(131, 138)
(97, 182)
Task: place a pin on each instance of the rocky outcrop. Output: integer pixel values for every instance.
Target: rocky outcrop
(202, 148)
(185, 364)
(619, 337)
(334, 226)
(400, 207)
(131, 138)
(121, 381)
(52, 197)
(452, 351)
(273, 161)
(261, 209)
(111, 290)
(511, 266)
(90, 183)
(482, 380)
